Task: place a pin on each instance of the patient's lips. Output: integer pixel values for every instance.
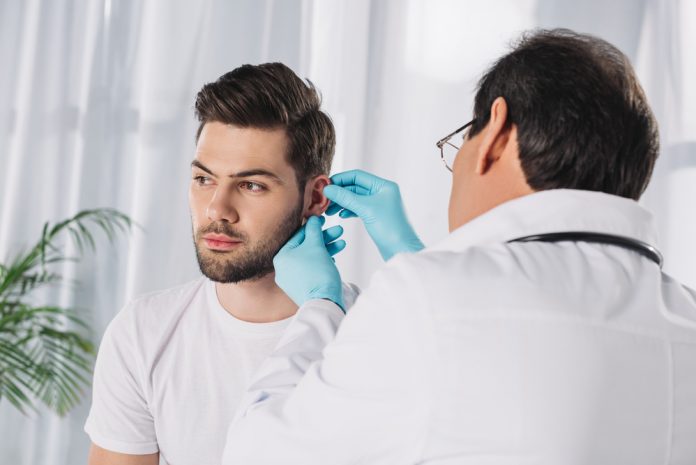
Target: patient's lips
(220, 242)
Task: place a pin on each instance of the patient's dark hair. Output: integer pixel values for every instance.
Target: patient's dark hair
(583, 121)
(270, 96)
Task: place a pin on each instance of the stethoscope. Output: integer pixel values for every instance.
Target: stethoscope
(635, 245)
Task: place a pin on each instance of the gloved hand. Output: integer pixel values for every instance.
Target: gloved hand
(304, 267)
(378, 203)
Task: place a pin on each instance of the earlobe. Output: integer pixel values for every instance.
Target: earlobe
(316, 202)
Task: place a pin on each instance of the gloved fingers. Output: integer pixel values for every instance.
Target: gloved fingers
(332, 233)
(313, 233)
(357, 189)
(360, 178)
(335, 247)
(333, 209)
(344, 198)
(345, 214)
(296, 240)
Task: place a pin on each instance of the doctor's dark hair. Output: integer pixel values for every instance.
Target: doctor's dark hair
(583, 121)
(271, 96)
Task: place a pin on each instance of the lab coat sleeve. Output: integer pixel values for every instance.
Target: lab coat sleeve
(301, 345)
(363, 398)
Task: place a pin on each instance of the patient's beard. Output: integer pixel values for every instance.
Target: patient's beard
(248, 261)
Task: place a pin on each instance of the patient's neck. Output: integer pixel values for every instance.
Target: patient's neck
(257, 301)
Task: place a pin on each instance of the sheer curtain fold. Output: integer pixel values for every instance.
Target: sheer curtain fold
(96, 110)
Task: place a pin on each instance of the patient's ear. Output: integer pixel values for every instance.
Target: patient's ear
(315, 203)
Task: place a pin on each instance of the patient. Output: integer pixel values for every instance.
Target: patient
(173, 365)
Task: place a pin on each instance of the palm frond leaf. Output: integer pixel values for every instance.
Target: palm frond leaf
(45, 352)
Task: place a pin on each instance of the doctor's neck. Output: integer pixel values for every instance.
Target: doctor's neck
(256, 301)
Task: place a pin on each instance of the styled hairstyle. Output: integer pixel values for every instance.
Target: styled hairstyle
(270, 96)
(583, 121)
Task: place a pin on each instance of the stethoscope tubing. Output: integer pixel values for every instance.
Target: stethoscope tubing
(635, 245)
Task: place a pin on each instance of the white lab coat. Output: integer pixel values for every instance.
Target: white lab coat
(478, 351)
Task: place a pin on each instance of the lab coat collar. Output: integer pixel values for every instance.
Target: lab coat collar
(550, 211)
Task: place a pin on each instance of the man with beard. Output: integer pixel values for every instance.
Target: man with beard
(172, 366)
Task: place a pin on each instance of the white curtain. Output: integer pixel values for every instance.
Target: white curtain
(96, 110)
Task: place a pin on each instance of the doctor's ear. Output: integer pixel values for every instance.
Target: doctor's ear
(495, 137)
(315, 203)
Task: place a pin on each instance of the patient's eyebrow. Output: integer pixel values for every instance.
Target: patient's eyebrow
(257, 172)
(241, 174)
(200, 165)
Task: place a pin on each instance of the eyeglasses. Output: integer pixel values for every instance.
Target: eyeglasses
(448, 150)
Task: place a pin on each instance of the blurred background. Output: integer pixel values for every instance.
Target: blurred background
(96, 110)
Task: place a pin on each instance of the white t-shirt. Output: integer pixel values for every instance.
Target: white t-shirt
(171, 370)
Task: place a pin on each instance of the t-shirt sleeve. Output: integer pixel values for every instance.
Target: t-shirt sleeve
(120, 419)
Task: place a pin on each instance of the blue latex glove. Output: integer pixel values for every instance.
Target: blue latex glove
(304, 266)
(377, 202)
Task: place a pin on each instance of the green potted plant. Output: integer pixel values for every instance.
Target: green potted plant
(45, 350)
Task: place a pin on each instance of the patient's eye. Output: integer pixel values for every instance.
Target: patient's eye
(252, 186)
(202, 180)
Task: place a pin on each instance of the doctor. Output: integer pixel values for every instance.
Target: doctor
(540, 331)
